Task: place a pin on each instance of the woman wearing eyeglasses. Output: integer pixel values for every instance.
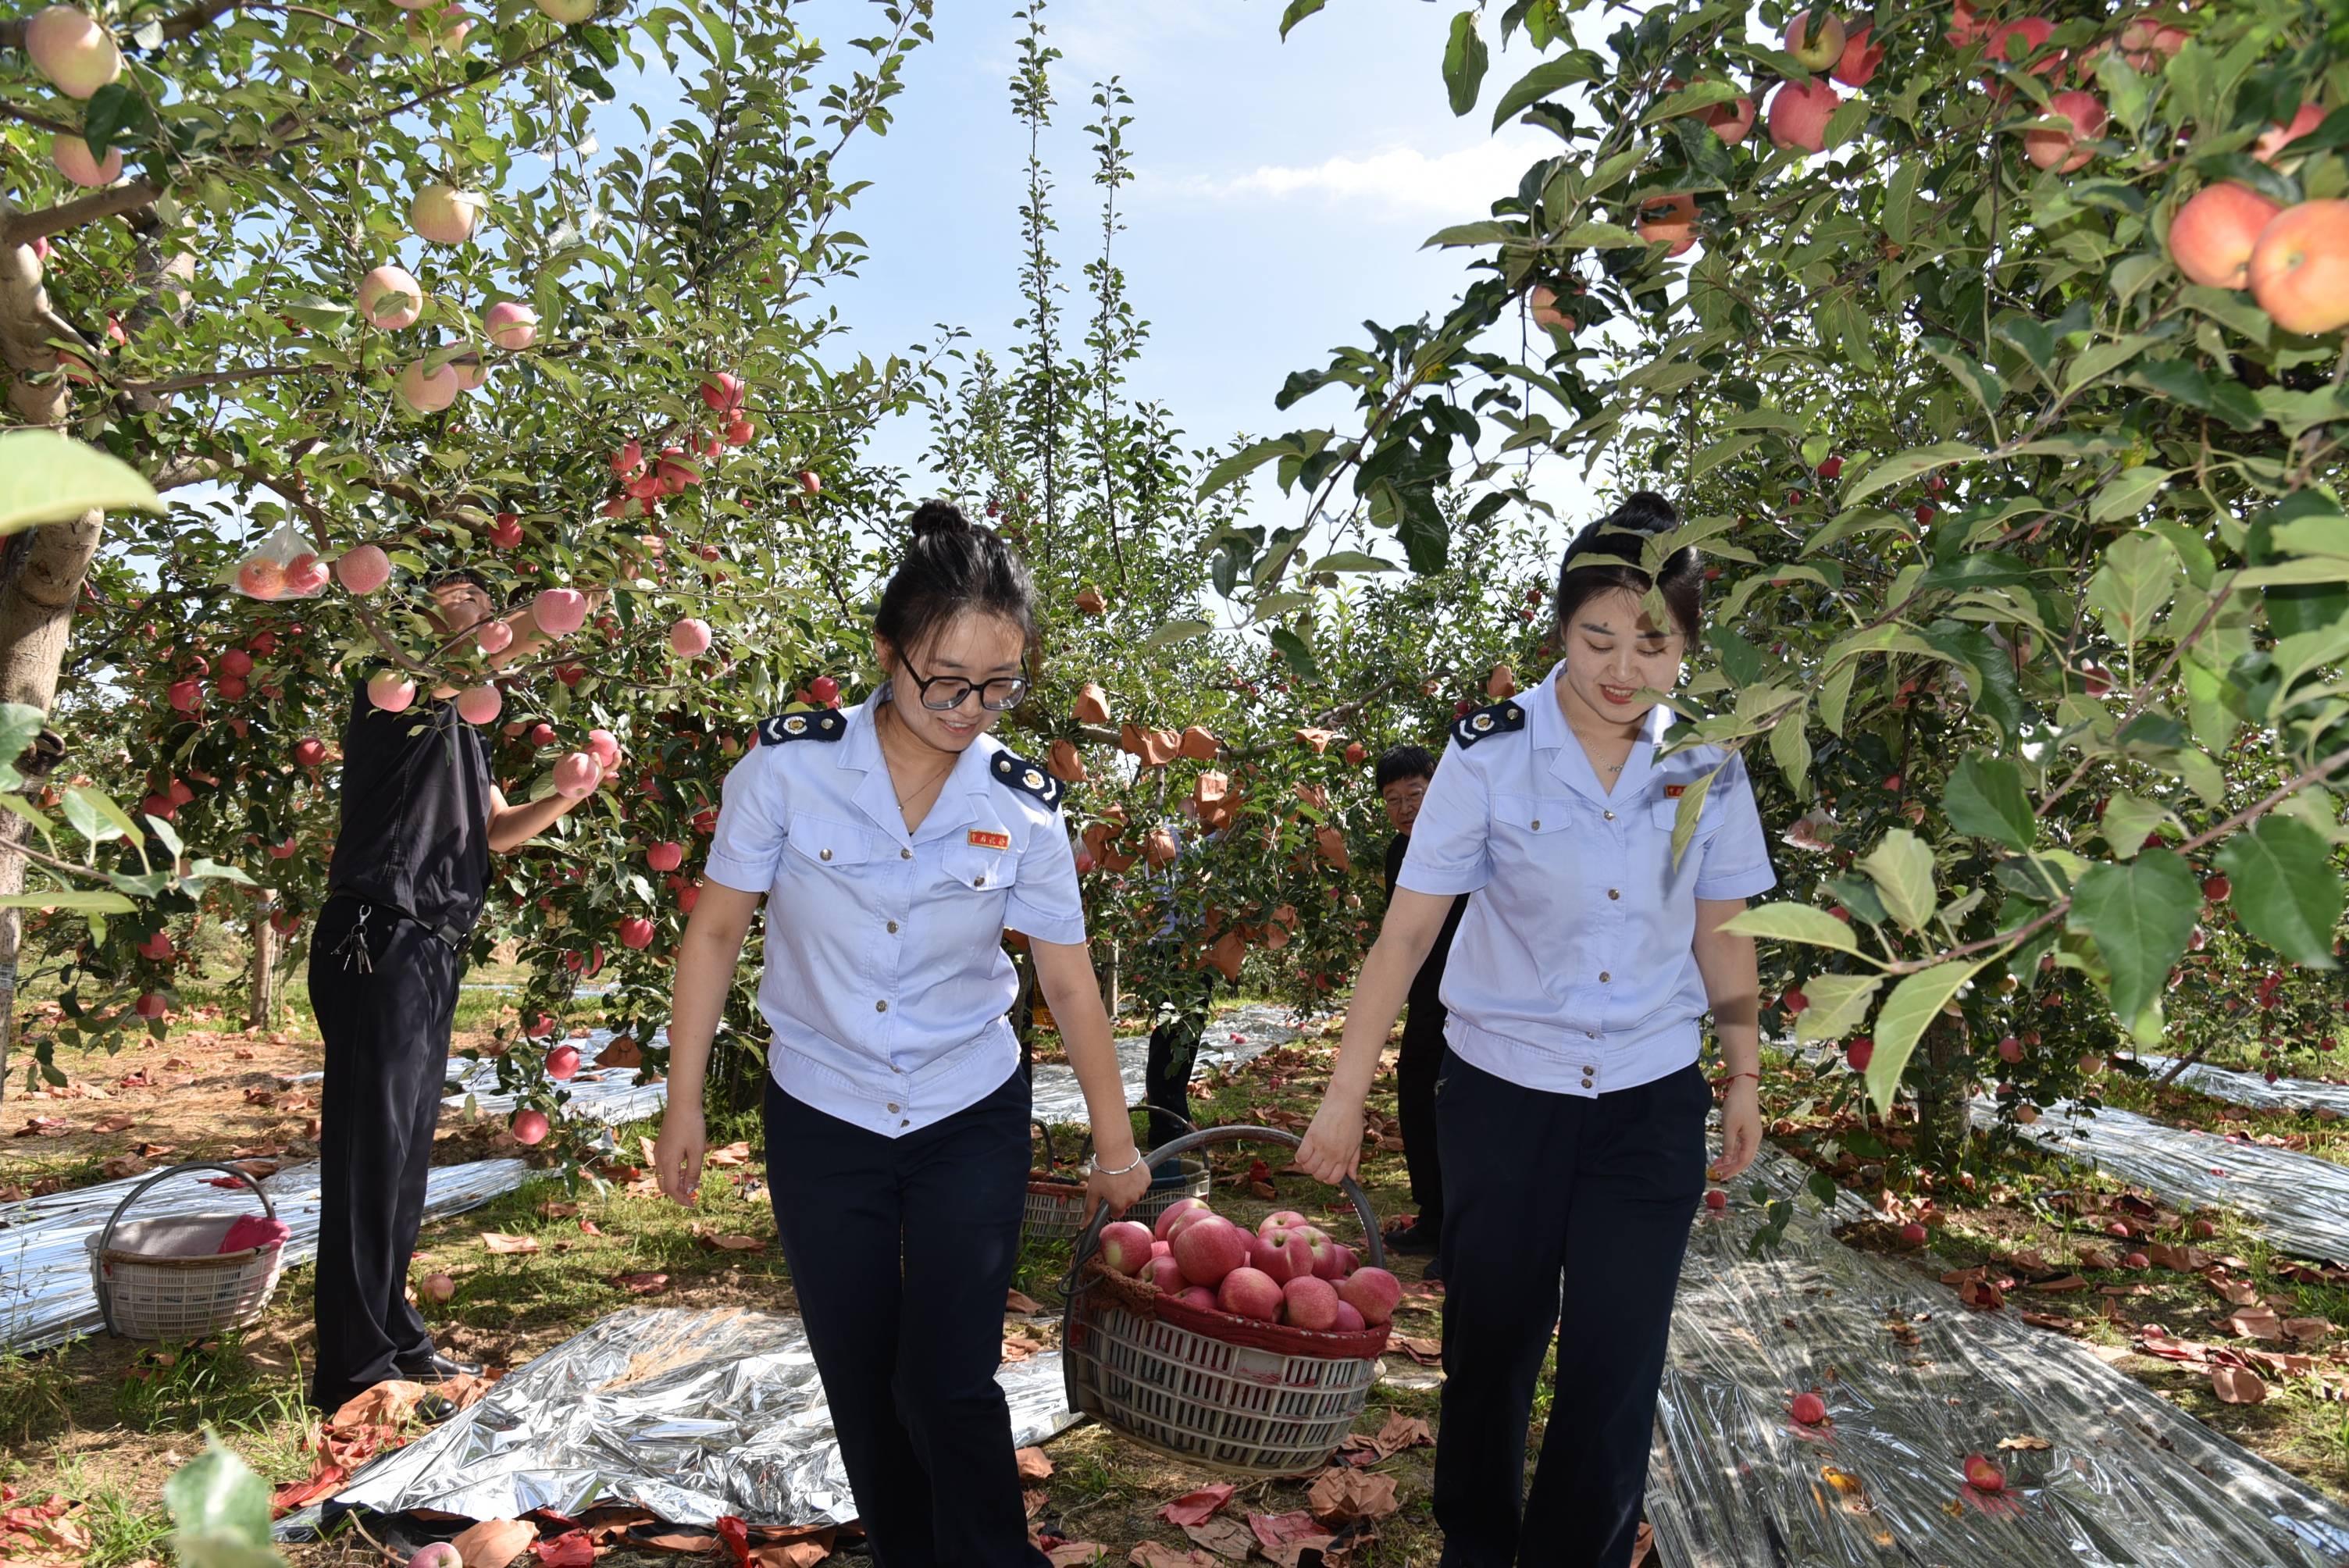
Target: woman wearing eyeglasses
(895, 842)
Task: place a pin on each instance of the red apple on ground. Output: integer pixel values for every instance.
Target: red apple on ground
(2213, 235)
(529, 1126)
(562, 1062)
(2298, 268)
(390, 690)
(72, 50)
(1373, 1293)
(437, 1287)
(1164, 1228)
(559, 612)
(2135, 1261)
(1126, 1246)
(1982, 1475)
(1210, 1248)
(1248, 1292)
(1716, 1199)
(1913, 1234)
(665, 856)
(1309, 1303)
(1808, 1410)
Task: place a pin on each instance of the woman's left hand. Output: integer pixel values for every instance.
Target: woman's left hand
(1120, 1193)
(1741, 1129)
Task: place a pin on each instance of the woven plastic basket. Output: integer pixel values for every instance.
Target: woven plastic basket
(164, 1279)
(1276, 1406)
(1056, 1204)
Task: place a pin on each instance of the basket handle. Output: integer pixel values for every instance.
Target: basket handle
(1091, 1239)
(1051, 1155)
(1087, 1146)
(106, 1238)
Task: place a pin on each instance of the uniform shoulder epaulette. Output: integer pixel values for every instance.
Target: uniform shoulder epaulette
(1017, 772)
(1500, 718)
(823, 724)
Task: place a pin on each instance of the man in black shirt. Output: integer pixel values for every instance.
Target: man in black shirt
(410, 869)
(1403, 779)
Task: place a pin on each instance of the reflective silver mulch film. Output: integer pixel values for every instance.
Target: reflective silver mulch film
(1234, 1036)
(2124, 1479)
(2297, 1201)
(691, 1414)
(46, 1295)
(610, 1095)
(2253, 1089)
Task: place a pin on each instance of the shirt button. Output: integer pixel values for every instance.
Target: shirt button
(1536, 824)
(1614, 893)
(978, 881)
(1586, 1083)
(1604, 978)
(880, 1006)
(892, 928)
(1611, 815)
(905, 1124)
(905, 854)
(893, 1110)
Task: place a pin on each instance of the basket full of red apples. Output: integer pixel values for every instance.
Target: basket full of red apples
(1249, 1350)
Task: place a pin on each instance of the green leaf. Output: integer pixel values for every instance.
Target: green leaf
(1541, 81)
(1839, 1004)
(1245, 460)
(1464, 59)
(1835, 695)
(1352, 560)
(103, 807)
(2287, 892)
(1902, 467)
(1691, 805)
(86, 901)
(1985, 798)
(1177, 632)
(1689, 99)
(1295, 649)
(1901, 867)
(2139, 573)
(20, 724)
(1790, 749)
(1913, 1005)
(1297, 11)
(219, 1511)
(115, 117)
(1485, 231)
(2140, 915)
(1795, 923)
(2128, 492)
(46, 477)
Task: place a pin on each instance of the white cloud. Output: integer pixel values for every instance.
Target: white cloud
(1398, 181)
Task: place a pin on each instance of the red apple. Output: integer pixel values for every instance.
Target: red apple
(2216, 887)
(1913, 1234)
(1348, 1319)
(186, 697)
(1716, 1199)
(73, 50)
(1731, 120)
(1284, 1219)
(2272, 141)
(442, 214)
(1199, 1297)
(2010, 1049)
(1280, 1256)
(479, 705)
(1248, 1292)
(722, 392)
(1335, 1263)
(576, 775)
(529, 1124)
(1126, 1246)
(261, 578)
(363, 569)
(510, 326)
(1983, 1476)
(150, 1005)
(810, 481)
(637, 933)
(1209, 1248)
(437, 1287)
(1373, 1293)
(2298, 268)
(665, 856)
(559, 612)
(390, 690)
(690, 638)
(562, 1062)
(824, 689)
(1164, 1273)
(2213, 235)
(1808, 1410)
(1309, 1303)
(1799, 114)
(1164, 1228)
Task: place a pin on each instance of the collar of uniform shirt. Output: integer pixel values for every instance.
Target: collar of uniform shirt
(1547, 728)
(859, 752)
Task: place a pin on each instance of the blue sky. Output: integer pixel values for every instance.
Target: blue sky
(1281, 190)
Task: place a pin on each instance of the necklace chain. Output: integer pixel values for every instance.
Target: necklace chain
(905, 795)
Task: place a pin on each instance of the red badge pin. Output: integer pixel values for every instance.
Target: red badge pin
(986, 841)
(1674, 791)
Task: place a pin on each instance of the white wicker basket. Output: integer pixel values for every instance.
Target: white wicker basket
(164, 1279)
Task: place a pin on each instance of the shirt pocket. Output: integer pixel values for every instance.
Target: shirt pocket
(980, 868)
(826, 848)
(1532, 819)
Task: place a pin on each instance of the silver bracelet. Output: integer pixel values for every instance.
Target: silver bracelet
(1121, 1170)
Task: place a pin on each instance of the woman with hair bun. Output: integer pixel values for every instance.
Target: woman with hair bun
(1570, 1114)
(895, 842)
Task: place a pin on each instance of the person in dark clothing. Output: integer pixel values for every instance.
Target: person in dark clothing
(1402, 778)
(1166, 1070)
(419, 818)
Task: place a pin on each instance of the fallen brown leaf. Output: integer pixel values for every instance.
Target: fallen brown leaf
(1193, 1507)
(500, 1241)
(386, 1404)
(115, 1123)
(2306, 1328)
(642, 1283)
(2025, 1443)
(2256, 1323)
(736, 1154)
(1073, 1554)
(1151, 1554)
(572, 1549)
(1343, 1496)
(2237, 1384)
(1016, 1302)
(1034, 1464)
(1225, 1536)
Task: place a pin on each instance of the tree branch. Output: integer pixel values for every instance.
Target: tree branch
(130, 196)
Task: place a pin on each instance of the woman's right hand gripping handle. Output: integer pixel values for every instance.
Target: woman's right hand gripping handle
(677, 1154)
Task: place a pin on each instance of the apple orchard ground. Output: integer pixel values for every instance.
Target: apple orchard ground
(103, 1422)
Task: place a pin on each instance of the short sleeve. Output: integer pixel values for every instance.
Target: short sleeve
(1045, 904)
(749, 842)
(1737, 857)
(1450, 842)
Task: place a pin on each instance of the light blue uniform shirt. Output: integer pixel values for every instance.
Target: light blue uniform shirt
(1574, 970)
(886, 982)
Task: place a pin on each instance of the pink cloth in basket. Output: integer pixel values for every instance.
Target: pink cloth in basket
(253, 1231)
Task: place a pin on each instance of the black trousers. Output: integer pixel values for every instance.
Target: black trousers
(1544, 1191)
(1419, 1065)
(902, 1251)
(1166, 1071)
(384, 988)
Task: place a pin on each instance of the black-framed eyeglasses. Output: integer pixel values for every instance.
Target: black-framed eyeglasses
(942, 694)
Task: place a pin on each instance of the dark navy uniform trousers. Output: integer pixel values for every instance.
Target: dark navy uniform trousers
(1540, 1189)
(902, 1251)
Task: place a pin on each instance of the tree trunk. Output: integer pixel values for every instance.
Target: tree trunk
(1941, 1120)
(261, 1007)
